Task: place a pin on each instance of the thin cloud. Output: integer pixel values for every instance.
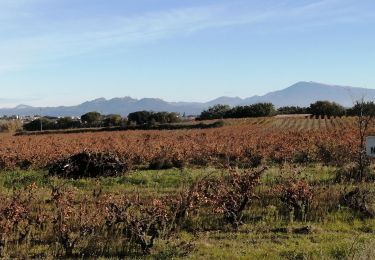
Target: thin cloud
(86, 35)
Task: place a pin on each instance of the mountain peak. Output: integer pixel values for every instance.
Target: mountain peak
(232, 101)
(99, 100)
(22, 106)
(302, 93)
(318, 84)
(309, 84)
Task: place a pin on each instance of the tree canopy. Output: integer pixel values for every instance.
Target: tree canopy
(149, 117)
(225, 111)
(292, 110)
(362, 108)
(326, 108)
(91, 117)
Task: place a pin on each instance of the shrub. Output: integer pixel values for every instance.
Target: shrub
(361, 200)
(253, 159)
(351, 173)
(10, 126)
(161, 163)
(297, 196)
(16, 218)
(40, 124)
(303, 157)
(215, 112)
(231, 195)
(88, 164)
(24, 164)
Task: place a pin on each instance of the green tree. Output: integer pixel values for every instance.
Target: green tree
(40, 124)
(113, 120)
(261, 110)
(215, 112)
(152, 118)
(362, 108)
(91, 118)
(326, 108)
(224, 111)
(292, 110)
(165, 118)
(140, 117)
(68, 122)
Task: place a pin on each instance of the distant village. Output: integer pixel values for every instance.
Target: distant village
(27, 119)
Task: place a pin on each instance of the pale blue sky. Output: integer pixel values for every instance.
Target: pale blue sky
(55, 52)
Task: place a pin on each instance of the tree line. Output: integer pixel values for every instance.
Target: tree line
(95, 119)
(319, 108)
(149, 118)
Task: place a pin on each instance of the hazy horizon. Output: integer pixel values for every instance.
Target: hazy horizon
(146, 97)
(70, 51)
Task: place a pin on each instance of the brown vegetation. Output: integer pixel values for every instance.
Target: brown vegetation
(242, 143)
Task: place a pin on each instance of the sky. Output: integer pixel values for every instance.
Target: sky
(63, 52)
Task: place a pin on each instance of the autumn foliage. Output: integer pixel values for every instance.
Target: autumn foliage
(331, 141)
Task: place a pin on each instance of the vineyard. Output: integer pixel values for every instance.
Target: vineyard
(240, 142)
(265, 188)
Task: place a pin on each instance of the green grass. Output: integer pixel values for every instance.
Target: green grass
(268, 233)
(157, 180)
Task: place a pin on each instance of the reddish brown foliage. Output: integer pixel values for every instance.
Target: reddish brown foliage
(229, 196)
(235, 144)
(297, 195)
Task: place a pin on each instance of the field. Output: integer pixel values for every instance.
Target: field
(267, 188)
(274, 140)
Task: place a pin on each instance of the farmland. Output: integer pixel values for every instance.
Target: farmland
(274, 140)
(265, 188)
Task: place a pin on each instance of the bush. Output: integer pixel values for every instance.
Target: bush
(164, 164)
(297, 196)
(40, 124)
(360, 200)
(88, 165)
(303, 157)
(351, 173)
(252, 160)
(10, 126)
(229, 196)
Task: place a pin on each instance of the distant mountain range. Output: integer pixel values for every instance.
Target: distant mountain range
(299, 94)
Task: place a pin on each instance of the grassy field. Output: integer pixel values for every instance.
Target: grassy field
(268, 231)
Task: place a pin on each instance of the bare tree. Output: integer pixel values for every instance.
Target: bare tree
(365, 113)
